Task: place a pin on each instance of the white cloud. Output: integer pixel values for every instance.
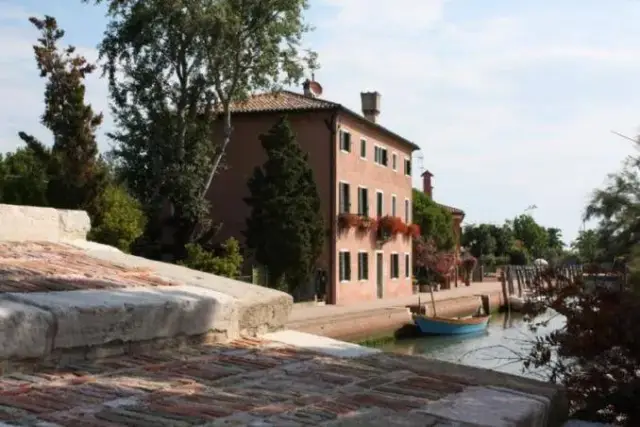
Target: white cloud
(457, 88)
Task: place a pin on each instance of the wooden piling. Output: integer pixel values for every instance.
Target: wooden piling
(505, 294)
(486, 304)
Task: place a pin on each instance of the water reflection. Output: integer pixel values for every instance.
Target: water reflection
(501, 347)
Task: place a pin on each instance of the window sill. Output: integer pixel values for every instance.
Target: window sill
(345, 151)
(345, 281)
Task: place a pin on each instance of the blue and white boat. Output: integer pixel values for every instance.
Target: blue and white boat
(433, 325)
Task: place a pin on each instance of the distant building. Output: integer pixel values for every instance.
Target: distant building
(360, 168)
(457, 214)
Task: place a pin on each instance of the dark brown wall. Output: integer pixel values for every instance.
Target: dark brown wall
(244, 153)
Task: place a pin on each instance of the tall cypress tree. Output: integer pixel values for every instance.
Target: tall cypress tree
(75, 175)
(285, 230)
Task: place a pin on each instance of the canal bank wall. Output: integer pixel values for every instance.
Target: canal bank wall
(380, 320)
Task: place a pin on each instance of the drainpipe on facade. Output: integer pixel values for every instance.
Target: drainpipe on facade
(332, 285)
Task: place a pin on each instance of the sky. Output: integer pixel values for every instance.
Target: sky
(511, 101)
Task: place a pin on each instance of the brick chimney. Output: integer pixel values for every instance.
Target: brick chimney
(370, 105)
(427, 187)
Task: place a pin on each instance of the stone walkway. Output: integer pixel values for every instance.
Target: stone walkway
(256, 382)
(304, 312)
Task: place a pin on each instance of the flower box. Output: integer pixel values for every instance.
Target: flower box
(366, 224)
(347, 221)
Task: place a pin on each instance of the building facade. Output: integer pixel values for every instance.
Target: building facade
(363, 175)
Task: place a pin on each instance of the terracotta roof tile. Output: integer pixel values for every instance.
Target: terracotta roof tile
(451, 209)
(281, 101)
(285, 100)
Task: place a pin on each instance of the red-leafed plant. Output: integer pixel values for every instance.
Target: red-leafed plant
(426, 255)
(347, 221)
(413, 230)
(468, 263)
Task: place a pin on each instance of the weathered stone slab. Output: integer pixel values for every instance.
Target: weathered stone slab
(320, 344)
(20, 223)
(90, 317)
(491, 407)
(260, 309)
(578, 423)
(24, 330)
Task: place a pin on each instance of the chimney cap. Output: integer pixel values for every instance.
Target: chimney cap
(426, 173)
(312, 88)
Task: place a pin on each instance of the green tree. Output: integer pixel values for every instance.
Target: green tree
(172, 64)
(435, 222)
(586, 245)
(72, 164)
(285, 230)
(23, 179)
(225, 261)
(554, 238)
(531, 234)
(503, 236)
(617, 210)
(119, 219)
(479, 240)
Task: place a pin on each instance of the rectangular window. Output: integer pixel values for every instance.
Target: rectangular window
(407, 167)
(394, 161)
(345, 198)
(395, 266)
(363, 266)
(379, 204)
(393, 205)
(380, 156)
(345, 141)
(345, 266)
(407, 266)
(363, 201)
(363, 148)
(406, 211)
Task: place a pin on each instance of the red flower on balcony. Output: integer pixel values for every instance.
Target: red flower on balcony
(413, 230)
(347, 221)
(389, 226)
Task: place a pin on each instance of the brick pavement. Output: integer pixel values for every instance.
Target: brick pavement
(45, 267)
(247, 382)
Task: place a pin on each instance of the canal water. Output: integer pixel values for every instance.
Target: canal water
(507, 340)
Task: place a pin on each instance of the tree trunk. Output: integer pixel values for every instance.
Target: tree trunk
(218, 158)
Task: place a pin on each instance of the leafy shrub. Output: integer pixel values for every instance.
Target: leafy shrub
(596, 354)
(226, 261)
(118, 218)
(518, 256)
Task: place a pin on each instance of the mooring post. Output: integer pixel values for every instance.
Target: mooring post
(505, 294)
(510, 279)
(486, 304)
(519, 282)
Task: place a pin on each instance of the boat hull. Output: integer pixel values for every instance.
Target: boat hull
(450, 326)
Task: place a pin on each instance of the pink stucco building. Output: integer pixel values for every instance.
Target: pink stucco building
(363, 173)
